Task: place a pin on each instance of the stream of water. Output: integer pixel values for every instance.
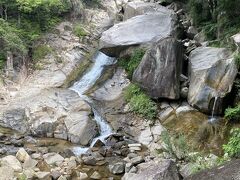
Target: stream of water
(82, 86)
(213, 118)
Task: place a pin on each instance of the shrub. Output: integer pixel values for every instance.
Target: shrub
(233, 113)
(143, 105)
(131, 91)
(79, 31)
(232, 148)
(140, 103)
(132, 63)
(41, 51)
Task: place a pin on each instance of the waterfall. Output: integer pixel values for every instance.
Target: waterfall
(82, 86)
(213, 118)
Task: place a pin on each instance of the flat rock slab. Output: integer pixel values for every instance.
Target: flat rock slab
(142, 29)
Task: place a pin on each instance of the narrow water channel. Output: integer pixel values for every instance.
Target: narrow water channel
(83, 85)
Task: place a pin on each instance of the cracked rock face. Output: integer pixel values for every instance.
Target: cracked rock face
(53, 113)
(159, 71)
(212, 73)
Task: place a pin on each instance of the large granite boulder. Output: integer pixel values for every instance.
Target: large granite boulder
(139, 30)
(165, 170)
(160, 69)
(212, 73)
(227, 171)
(136, 8)
(58, 113)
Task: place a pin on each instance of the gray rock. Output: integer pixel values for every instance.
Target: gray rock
(133, 170)
(227, 171)
(136, 8)
(165, 170)
(128, 166)
(191, 32)
(117, 168)
(137, 160)
(138, 30)
(14, 119)
(236, 40)
(89, 160)
(29, 163)
(212, 72)
(160, 69)
(83, 176)
(52, 158)
(22, 155)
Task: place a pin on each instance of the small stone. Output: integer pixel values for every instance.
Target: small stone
(43, 175)
(135, 148)
(53, 158)
(89, 160)
(98, 143)
(29, 163)
(22, 155)
(117, 168)
(29, 173)
(135, 145)
(55, 174)
(96, 175)
(133, 170)
(128, 166)
(36, 156)
(83, 176)
(137, 160)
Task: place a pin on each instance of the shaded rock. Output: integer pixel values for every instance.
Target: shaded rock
(89, 160)
(166, 170)
(236, 40)
(212, 72)
(117, 168)
(136, 8)
(52, 158)
(227, 171)
(191, 32)
(12, 162)
(160, 69)
(138, 30)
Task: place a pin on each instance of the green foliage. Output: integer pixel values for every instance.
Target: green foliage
(140, 103)
(41, 51)
(218, 18)
(232, 148)
(132, 63)
(10, 38)
(176, 143)
(233, 113)
(79, 31)
(130, 91)
(2, 60)
(237, 59)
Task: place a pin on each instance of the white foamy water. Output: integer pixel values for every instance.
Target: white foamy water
(82, 86)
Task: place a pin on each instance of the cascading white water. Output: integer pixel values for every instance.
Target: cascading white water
(83, 85)
(213, 119)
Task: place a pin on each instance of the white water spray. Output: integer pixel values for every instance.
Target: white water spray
(82, 86)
